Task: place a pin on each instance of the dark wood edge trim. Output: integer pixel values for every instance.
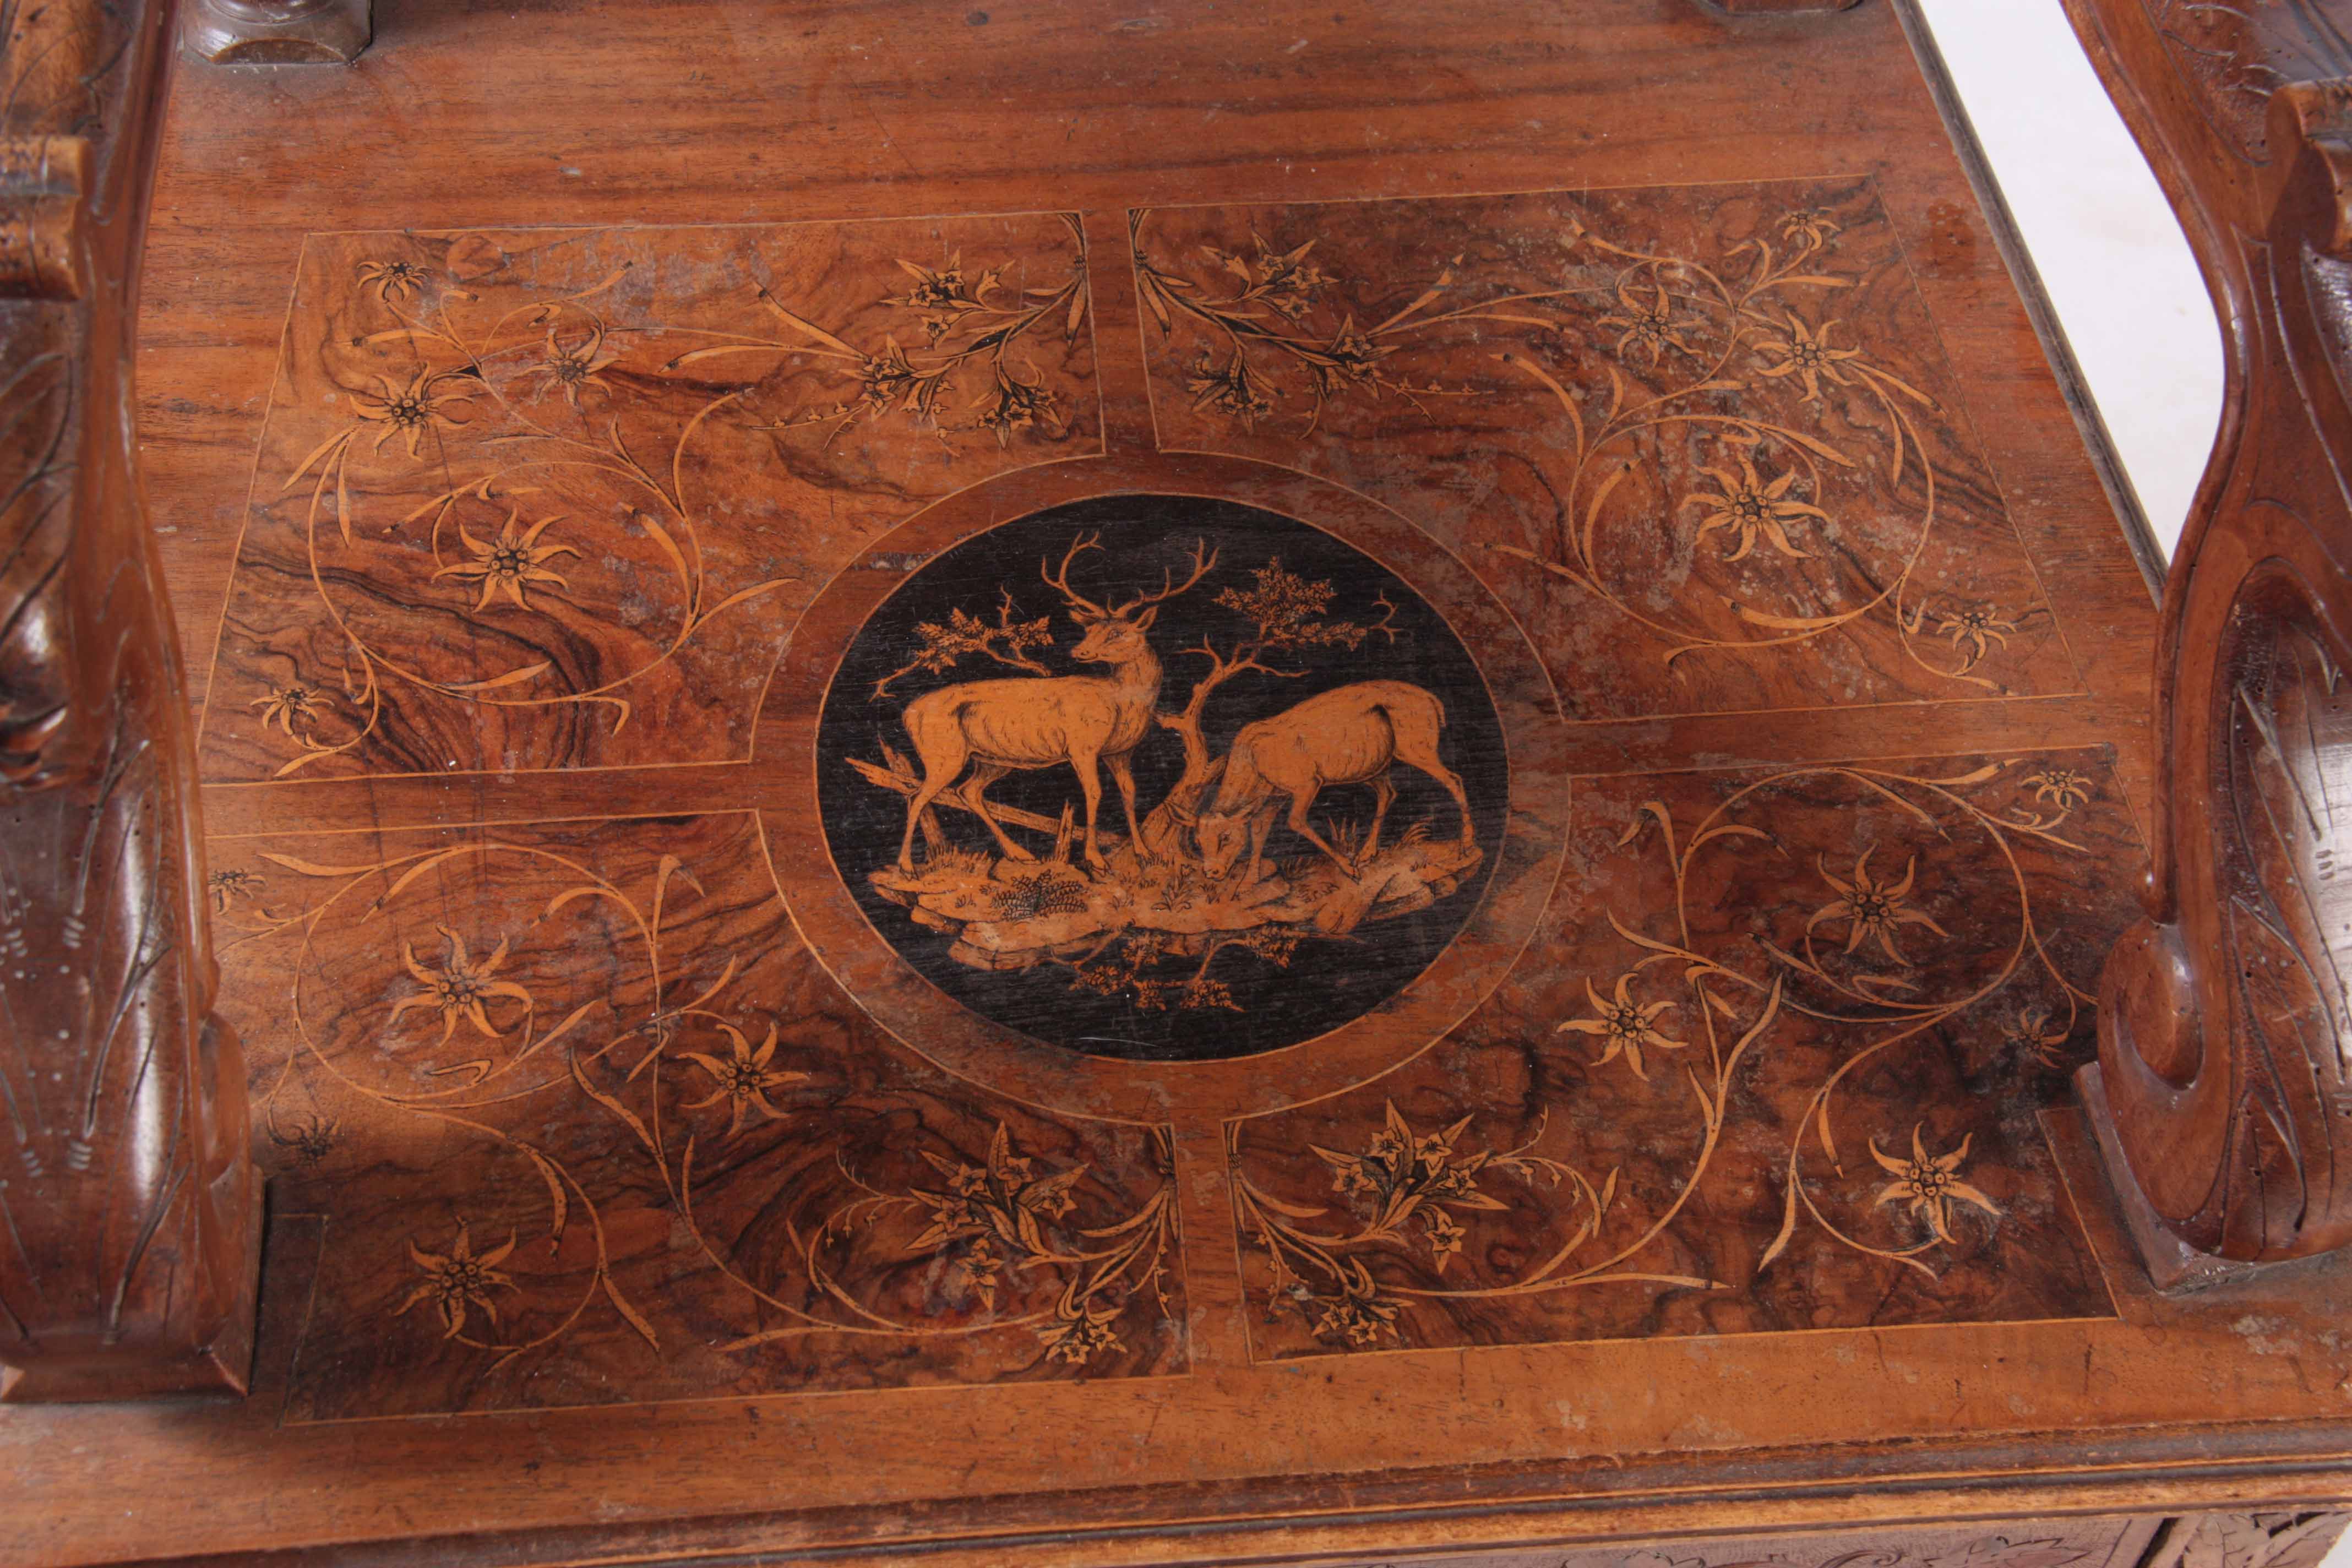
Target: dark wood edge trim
(1515, 1507)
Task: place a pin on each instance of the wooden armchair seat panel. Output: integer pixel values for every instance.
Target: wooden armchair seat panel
(1066, 785)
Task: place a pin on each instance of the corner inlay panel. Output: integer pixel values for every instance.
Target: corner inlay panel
(550, 499)
(585, 1123)
(1703, 440)
(1774, 1064)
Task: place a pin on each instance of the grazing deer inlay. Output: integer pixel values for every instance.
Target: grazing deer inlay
(1140, 943)
(1349, 735)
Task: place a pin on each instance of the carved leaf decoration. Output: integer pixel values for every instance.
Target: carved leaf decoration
(1559, 393)
(661, 536)
(1600, 499)
(565, 1027)
(323, 447)
(1883, 983)
(1293, 1211)
(1784, 623)
(628, 1118)
(1973, 776)
(1998, 1551)
(1818, 447)
(1650, 808)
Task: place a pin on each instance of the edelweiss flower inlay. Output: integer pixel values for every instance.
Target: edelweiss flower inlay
(743, 1077)
(410, 411)
(228, 887)
(1649, 326)
(1927, 1183)
(392, 281)
(572, 369)
(510, 564)
(1973, 631)
(1624, 1024)
(457, 1279)
(290, 705)
(1874, 909)
(1751, 508)
(2063, 787)
(461, 987)
(1806, 353)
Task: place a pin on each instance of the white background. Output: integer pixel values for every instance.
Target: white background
(2102, 236)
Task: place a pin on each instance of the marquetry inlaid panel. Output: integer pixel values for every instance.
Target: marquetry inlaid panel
(1775, 1065)
(546, 500)
(583, 1120)
(1705, 442)
(1172, 856)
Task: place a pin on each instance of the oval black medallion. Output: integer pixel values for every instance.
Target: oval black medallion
(1318, 778)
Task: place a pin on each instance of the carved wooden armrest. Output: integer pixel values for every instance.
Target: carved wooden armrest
(129, 1207)
(2222, 1094)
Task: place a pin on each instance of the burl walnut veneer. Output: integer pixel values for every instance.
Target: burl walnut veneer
(1077, 784)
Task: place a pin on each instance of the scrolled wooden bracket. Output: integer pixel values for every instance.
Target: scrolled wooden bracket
(129, 1201)
(278, 32)
(2223, 1098)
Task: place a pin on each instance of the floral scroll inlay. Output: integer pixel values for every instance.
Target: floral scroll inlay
(1762, 976)
(644, 1147)
(1707, 437)
(519, 491)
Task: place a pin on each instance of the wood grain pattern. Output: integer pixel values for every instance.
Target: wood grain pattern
(129, 1212)
(537, 500)
(1816, 1007)
(2016, 1367)
(2085, 1543)
(1712, 429)
(592, 1060)
(2222, 1073)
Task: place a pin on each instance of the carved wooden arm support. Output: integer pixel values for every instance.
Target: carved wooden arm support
(2221, 1095)
(127, 1198)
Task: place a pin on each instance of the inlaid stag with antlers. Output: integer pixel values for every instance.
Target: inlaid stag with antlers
(1090, 722)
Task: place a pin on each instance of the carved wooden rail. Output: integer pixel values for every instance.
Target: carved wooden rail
(2221, 1092)
(129, 1209)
